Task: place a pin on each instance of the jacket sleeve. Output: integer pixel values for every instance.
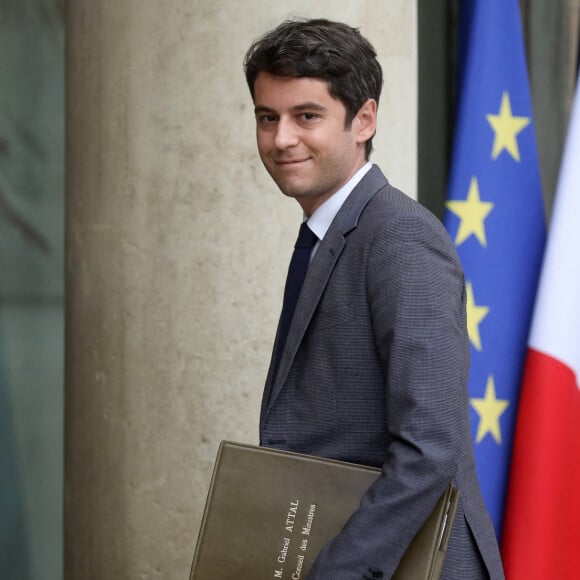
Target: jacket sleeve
(416, 300)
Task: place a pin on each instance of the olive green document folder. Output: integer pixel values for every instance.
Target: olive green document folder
(269, 512)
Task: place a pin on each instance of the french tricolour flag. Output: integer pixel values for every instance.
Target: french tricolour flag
(541, 535)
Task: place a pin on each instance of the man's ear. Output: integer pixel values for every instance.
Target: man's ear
(366, 121)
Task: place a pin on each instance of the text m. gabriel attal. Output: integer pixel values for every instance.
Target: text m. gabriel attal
(303, 529)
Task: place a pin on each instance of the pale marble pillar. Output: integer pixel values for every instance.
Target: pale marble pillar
(177, 247)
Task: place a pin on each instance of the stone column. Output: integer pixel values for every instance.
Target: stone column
(177, 247)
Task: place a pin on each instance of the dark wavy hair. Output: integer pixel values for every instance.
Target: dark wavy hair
(331, 51)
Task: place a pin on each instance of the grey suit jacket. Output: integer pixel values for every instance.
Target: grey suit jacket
(375, 372)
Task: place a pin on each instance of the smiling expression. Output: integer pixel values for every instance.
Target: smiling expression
(303, 139)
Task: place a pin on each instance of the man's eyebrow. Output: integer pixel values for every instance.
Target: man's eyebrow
(309, 106)
(263, 109)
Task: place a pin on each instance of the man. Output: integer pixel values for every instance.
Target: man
(372, 365)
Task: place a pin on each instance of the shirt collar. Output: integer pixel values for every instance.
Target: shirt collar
(320, 220)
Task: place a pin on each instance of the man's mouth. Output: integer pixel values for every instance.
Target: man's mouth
(290, 162)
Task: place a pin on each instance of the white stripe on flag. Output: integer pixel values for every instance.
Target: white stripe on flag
(556, 326)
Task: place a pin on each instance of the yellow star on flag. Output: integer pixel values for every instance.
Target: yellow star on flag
(506, 128)
(475, 315)
(472, 213)
(489, 410)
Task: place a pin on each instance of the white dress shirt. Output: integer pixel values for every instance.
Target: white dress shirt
(320, 220)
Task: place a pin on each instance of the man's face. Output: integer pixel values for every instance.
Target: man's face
(302, 138)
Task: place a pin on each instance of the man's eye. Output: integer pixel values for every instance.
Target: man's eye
(267, 119)
(310, 116)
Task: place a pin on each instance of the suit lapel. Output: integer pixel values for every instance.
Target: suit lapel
(318, 275)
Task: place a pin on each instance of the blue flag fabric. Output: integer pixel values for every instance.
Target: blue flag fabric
(495, 215)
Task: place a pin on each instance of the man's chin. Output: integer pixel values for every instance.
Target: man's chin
(293, 189)
(293, 192)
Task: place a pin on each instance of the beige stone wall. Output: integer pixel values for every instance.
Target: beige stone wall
(177, 248)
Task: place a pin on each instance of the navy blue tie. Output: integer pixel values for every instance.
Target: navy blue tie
(296, 274)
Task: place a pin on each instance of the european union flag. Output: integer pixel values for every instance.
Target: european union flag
(495, 216)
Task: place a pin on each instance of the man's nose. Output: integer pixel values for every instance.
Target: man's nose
(286, 134)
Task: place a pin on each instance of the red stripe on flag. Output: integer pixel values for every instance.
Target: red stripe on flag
(541, 534)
